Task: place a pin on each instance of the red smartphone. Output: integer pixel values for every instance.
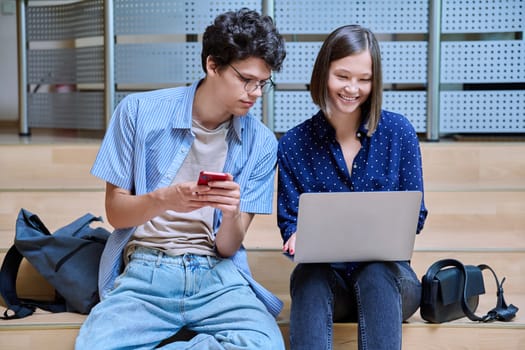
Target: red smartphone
(206, 176)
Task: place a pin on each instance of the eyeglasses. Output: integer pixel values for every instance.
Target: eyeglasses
(250, 85)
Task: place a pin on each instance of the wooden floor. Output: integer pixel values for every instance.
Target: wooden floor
(475, 192)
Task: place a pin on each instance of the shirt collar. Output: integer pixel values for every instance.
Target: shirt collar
(325, 130)
(182, 114)
(238, 125)
(185, 110)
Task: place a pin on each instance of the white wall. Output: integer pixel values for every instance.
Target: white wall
(8, 65)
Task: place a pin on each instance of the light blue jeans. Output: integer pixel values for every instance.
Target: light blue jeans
(158, 294)
(378, 295)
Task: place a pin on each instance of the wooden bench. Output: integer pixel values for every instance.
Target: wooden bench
(475, 193)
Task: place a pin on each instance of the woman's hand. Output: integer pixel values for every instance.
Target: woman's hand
(289, 246)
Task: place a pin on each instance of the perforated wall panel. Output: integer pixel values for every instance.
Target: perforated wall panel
(299, 62)
(403, 62)
(256, 110)
(482, 16)
(293, 107)
(77, 110)
(171, 17)
(483, 58)
(381, 16)
(119, 95)
(66, 66)
(482, 111)
(59, 22)
(158, 63)
(411, 104)
(483, 61)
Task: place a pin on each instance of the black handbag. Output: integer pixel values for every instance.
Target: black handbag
(451, 290)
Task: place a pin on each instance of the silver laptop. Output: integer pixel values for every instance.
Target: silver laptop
(356, 226)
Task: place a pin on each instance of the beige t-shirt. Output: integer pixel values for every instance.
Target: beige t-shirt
(178, 233)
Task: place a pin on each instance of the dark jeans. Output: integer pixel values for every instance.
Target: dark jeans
(379, 296)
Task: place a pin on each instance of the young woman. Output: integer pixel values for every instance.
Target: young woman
(351, 144)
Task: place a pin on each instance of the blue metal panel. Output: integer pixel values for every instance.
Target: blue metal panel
(483, 16)
(483, 61)
(139, 17)
(381, 16)
(482, 111)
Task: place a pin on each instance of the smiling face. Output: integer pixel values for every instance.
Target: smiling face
(349, 84)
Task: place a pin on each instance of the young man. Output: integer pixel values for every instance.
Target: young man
(180, 242)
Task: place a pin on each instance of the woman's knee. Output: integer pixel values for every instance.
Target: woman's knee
(410, 293)
(306, 277)
(392, 278)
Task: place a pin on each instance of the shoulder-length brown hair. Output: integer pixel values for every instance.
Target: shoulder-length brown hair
(346, 41)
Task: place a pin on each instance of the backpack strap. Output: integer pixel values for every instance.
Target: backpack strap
(16, 307)
(28, 219)
(79, 226)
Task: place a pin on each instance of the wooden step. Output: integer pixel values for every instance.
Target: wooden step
(53, 166)
(475, 193)
(54, 208)
(58, 331)
(473, 165)
(41, 330)
(457, 220)
(446, 166)
(474, 220)
(465, 335)
(272, 269)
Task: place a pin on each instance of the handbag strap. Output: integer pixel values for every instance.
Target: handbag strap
(501, 312)
(438, 265)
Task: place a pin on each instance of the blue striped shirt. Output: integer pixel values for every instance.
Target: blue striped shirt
(146, 143)
(311, 160)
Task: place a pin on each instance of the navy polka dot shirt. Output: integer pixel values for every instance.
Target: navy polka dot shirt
(311, 160)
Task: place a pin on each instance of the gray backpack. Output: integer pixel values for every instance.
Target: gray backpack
(68, 259)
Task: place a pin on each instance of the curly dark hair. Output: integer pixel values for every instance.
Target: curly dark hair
(237, 35)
